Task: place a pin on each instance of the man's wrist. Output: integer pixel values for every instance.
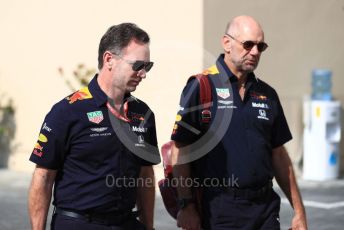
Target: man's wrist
(299, 211)
(184, 202)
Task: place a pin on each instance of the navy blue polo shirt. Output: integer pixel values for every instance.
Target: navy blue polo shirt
(256, 125)
(97, 155)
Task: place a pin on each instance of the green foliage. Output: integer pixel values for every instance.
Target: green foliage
(8, 107)
(82, 75)
(7, 130)
(6, 110)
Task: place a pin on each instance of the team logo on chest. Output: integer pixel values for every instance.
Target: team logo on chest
(95, 117)
(258, 96)
(141, 141)
(260, 105)
(223, 92)
(262, 115)
(80, 95)
(139, 129)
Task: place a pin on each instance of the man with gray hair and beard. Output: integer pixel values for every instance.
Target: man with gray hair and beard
(251, 148)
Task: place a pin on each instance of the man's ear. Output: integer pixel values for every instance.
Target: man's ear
(226, 43)
(107, 59)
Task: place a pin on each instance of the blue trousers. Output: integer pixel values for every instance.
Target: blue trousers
(60, 222)
(223, 211)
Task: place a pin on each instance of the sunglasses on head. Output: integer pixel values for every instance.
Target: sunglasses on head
(137, 65)
(248, 45)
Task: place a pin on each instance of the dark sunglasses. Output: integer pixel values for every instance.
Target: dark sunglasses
(248, 45)
(138, 65)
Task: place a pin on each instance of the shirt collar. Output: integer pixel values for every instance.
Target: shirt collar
(251, 78)
(221, 61)
(98, 94)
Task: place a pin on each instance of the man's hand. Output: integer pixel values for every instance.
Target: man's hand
(299, 222)
(188, 218)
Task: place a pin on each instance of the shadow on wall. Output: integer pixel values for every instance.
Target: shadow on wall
(7, 132)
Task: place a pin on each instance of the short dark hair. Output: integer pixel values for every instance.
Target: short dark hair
(118, 37)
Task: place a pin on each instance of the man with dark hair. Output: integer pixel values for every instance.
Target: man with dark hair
(244, 145)
(118, 37)
(97, 146)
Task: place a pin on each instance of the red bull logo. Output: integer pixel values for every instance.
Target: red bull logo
(80, 95)
(136, 116)
(211, 70)
(38, 150)
(205, 72)
(261, 97)
(38, 147)
(258, 96)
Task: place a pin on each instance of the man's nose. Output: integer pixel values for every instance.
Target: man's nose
(142, 73)
(254, 50)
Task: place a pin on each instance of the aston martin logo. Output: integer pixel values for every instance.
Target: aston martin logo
(99, 130)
